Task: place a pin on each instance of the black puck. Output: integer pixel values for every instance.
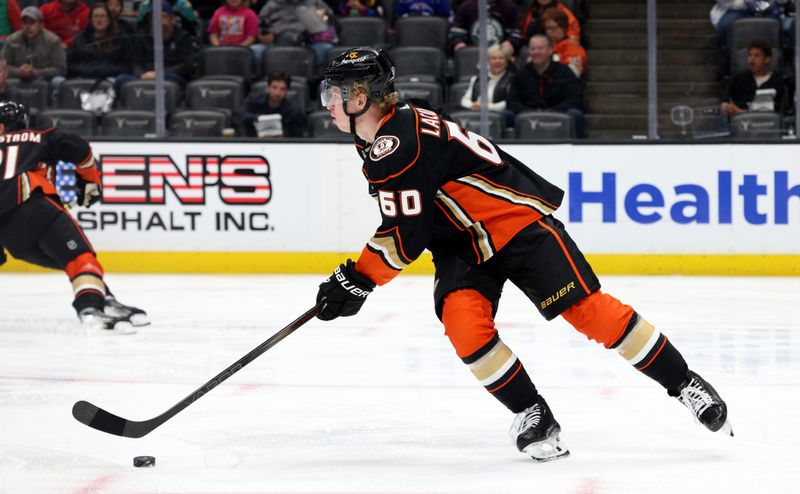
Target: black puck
(144, 461)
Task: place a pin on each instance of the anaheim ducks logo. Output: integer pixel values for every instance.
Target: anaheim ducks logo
(352, 54)
(383, 147)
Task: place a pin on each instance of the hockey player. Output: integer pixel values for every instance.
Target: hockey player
(487, 219)
(35, 226)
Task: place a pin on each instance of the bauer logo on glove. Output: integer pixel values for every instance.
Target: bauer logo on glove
(344, 292)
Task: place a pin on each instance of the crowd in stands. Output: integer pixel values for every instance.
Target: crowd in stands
(234, 61)
(244, 60)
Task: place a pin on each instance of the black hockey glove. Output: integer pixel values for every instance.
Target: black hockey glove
(88, 192)
(344, 292)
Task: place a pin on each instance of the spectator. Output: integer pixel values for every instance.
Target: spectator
(543, 84)
(10, 20)
(502, 25)
(758, 88)
(233, 24)
(555, 25)
(125, 18)
(65, 18)
(100, 51)
(360, 8)
(34, 52)
(178, 50)
(6, 93)
(500, 75)
(406, 8)
(297, 23)
(273, 101)
(532, 21)
(186, 17)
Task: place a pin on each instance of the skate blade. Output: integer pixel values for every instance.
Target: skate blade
(547, 450)
(139, 320)
(726, 429)
(120, 328)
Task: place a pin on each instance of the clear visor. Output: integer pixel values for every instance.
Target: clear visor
(329, 94)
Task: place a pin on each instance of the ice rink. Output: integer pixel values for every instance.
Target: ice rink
(379, 403)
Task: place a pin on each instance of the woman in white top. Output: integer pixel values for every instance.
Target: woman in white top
(499, 81)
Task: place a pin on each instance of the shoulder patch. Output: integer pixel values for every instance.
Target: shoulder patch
(383, 147)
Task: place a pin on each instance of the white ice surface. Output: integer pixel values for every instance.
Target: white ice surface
(379, 403)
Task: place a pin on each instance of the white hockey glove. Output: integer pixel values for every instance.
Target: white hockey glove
(88, 193)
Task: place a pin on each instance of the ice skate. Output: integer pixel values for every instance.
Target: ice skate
(95, 321)
(536, 433)
(135, 315)
(704, 403)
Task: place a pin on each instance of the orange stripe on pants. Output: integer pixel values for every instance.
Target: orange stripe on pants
(468, 321)
(600, 317)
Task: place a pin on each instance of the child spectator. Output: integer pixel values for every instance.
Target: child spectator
(360, 8)
(272, 101)
(65, 18)
(555, 23)
(233, 24)
(758, 88)
(441, 8)
(532, 21)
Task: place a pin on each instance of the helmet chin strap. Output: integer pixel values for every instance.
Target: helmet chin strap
(353, 116)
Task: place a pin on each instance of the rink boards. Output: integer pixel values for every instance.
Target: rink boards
(302, 208)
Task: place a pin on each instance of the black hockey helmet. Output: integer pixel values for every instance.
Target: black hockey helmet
(13, 115)
(363, 64)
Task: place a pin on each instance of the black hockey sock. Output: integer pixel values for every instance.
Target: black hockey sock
(503, 375)
(650, 352)
(88, 299)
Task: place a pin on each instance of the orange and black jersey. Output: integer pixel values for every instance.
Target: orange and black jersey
(28, 156)
(446, 189)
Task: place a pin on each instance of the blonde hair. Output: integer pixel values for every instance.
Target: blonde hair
(385, 105)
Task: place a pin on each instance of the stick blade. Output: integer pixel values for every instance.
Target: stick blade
(101, 420)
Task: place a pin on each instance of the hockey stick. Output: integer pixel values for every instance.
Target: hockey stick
(104, 421)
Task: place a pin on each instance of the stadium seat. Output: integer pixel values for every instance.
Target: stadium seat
(76, 121)
(412, 61)
(739, 60)
(129, 123)
(457, 90)
(362, 31)
(543, 126)
(321, 125)
(429, 91)
(226, 62)
(742, 31)
(757, 126)
(69, 93)
(297, 60)
(141, 95)
(428, 31)
(205, 94)
(471, 120)
(466, 63)
(33, 94)
(297, 93)
(197, 123)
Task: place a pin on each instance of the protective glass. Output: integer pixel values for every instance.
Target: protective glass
(329, 94)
